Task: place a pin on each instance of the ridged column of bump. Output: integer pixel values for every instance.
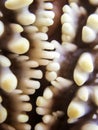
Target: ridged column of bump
(44, 15)
(26, 72)
(17, 105)
(41, 49)
(69, 20)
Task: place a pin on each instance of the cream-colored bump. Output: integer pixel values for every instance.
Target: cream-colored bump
(22, 118)
(90, 126)
(66, 18)
(3, 114)
(18, 45)
(50, 76)
(94, 2)
(24, 17)
(86, 62)
(48, 94)
(92, 21)
(4, 61)
(76, 1)
(64, 82)
(40, 36)
(16, 4)
(42, 110)
(40, 126)
(70, 47)
(1, 28)
(76, 110)
(0, 99)
(16, 28)
(8, 80)
(46, 14)
(53, 66)
(48, 6)
(80, 77)
(47, 119)
(68, 29)
(83, 93)
(67, 9)
(88, 34)
(41, 101)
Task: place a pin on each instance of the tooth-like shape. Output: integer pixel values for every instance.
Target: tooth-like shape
(86, 62)
(68, 29)
(40, 36)
(90, 126)
(53, 66)
(44, 21)
(17, 4)
(8, 80)
(4, 61)
(66, 18)
(41, 126)
(16, 28)
(1, 28)
(64, 82)
(24, 17)
(44, 45)
(69, 47)
(83, 93)
(67, 9)
(94, 2)
(42, 111)
(80, 77)
(46, 14)
(50, 76)
(18, 45)
(3, 114)
(92, 21)
(48, 94)
(22, 118)
(76, 109)
(47, 119)
(42, 102)
(48, 6)
(88, 34)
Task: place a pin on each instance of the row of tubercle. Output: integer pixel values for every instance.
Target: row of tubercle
(25, 49)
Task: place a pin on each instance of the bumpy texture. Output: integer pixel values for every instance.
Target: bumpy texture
(48, 65)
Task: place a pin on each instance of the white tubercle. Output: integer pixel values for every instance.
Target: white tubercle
(90, 126)
(70, 47)
(4, 61)
(22, 118)
(80, 76)
(53, 66)
(18, 44)
(83, 93)
(1, 28)
(8, 80)
(86, 62)
(40, 126)
(42, 102)
(3, 114)
(24, 17)
(76, 109)
(48, 6)
(17, 4)
(88, 34)
(69, 21)
(50, 76)
(48, 94)
(92, 21)
(16, 28)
